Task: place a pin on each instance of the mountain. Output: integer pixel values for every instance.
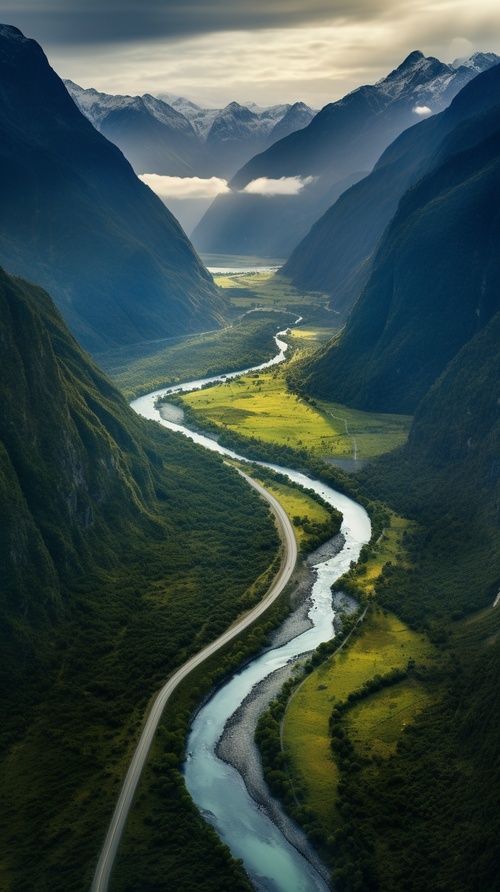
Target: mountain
(343, 140)
(298, 116)
(435, 278)
(335, 255)
(172, 136)
(123, 549)
(447, 480)
(237, 133)
(152, 135)
(76, 219)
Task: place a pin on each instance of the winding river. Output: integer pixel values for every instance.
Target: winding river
(272, 863)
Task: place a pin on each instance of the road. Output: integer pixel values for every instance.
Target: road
(115, 830)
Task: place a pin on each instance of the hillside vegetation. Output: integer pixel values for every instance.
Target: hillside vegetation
(414, 804)
(124, 549)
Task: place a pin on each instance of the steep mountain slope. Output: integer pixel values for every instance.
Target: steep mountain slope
(434, 801)
(298, 116)
(237, 133)
(345, 137)
(152, 135)
(75, 218)
(435, 282)
(334, 256)
(123, 549)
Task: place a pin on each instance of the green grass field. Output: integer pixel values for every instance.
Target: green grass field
(249, 290)
(297, 504)
(386, 643)
(260, 405)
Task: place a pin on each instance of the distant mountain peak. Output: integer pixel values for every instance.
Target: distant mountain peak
(11, 32)
(411, 59)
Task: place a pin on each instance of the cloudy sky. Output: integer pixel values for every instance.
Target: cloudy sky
(268, 51)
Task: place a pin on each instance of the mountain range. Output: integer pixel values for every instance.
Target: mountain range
(172, 136)
(435, 277)
(338, 147)
(335, 255)
(75, 219)
(124, 547)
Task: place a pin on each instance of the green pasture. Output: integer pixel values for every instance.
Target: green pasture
(385, 643)
(260, 405)
(375, 724)
(298, 505)
(249, 290)
(389, 547)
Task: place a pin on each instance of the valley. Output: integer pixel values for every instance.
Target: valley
(250, 550)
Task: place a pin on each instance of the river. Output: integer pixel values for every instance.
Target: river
(272, 863)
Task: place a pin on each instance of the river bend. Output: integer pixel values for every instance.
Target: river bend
(272, 863)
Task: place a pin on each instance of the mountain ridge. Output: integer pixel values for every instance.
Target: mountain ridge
(336, 254)
(435, 277)
(176, 137)
(76, 219)
(344, 138)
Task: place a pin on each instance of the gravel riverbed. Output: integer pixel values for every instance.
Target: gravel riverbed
(237, 746)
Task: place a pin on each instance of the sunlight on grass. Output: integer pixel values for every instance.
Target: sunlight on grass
(297, 504)
(259, 405)
(386, 643)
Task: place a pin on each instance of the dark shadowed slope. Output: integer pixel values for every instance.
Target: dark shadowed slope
(152, 135)
(75, 218)
(435, 283)
(123, 549)
(345, 138)
(335, 256)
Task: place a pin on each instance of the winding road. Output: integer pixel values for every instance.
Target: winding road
(115, 830)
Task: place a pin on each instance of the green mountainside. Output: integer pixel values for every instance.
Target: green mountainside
(434, 283)
(424, 338)
(124, 548)
(427, 817)
(75, 219)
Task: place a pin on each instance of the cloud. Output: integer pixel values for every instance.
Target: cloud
(111, 21)
(422, 110)
(271, 51)
(282, 186)
(184, 187)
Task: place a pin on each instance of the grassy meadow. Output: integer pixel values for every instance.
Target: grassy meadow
(260, 405)
(263, 289)
(313, 520)
(385, 643)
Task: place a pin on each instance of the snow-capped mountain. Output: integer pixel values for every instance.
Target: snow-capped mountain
(152, 135)
(344, 138)
(236, 131)
(298, 116)
(97, 106)
(173, 136)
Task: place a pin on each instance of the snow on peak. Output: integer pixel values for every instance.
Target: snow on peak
(98, 106)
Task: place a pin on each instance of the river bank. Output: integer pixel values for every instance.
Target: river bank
(271, 860)
(237, 747)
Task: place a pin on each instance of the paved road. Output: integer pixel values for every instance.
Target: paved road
(110, 847)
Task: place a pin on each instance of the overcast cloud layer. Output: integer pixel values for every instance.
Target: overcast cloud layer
(214, 51)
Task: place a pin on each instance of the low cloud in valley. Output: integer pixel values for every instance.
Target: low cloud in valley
(281, 186)
(184, 187)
